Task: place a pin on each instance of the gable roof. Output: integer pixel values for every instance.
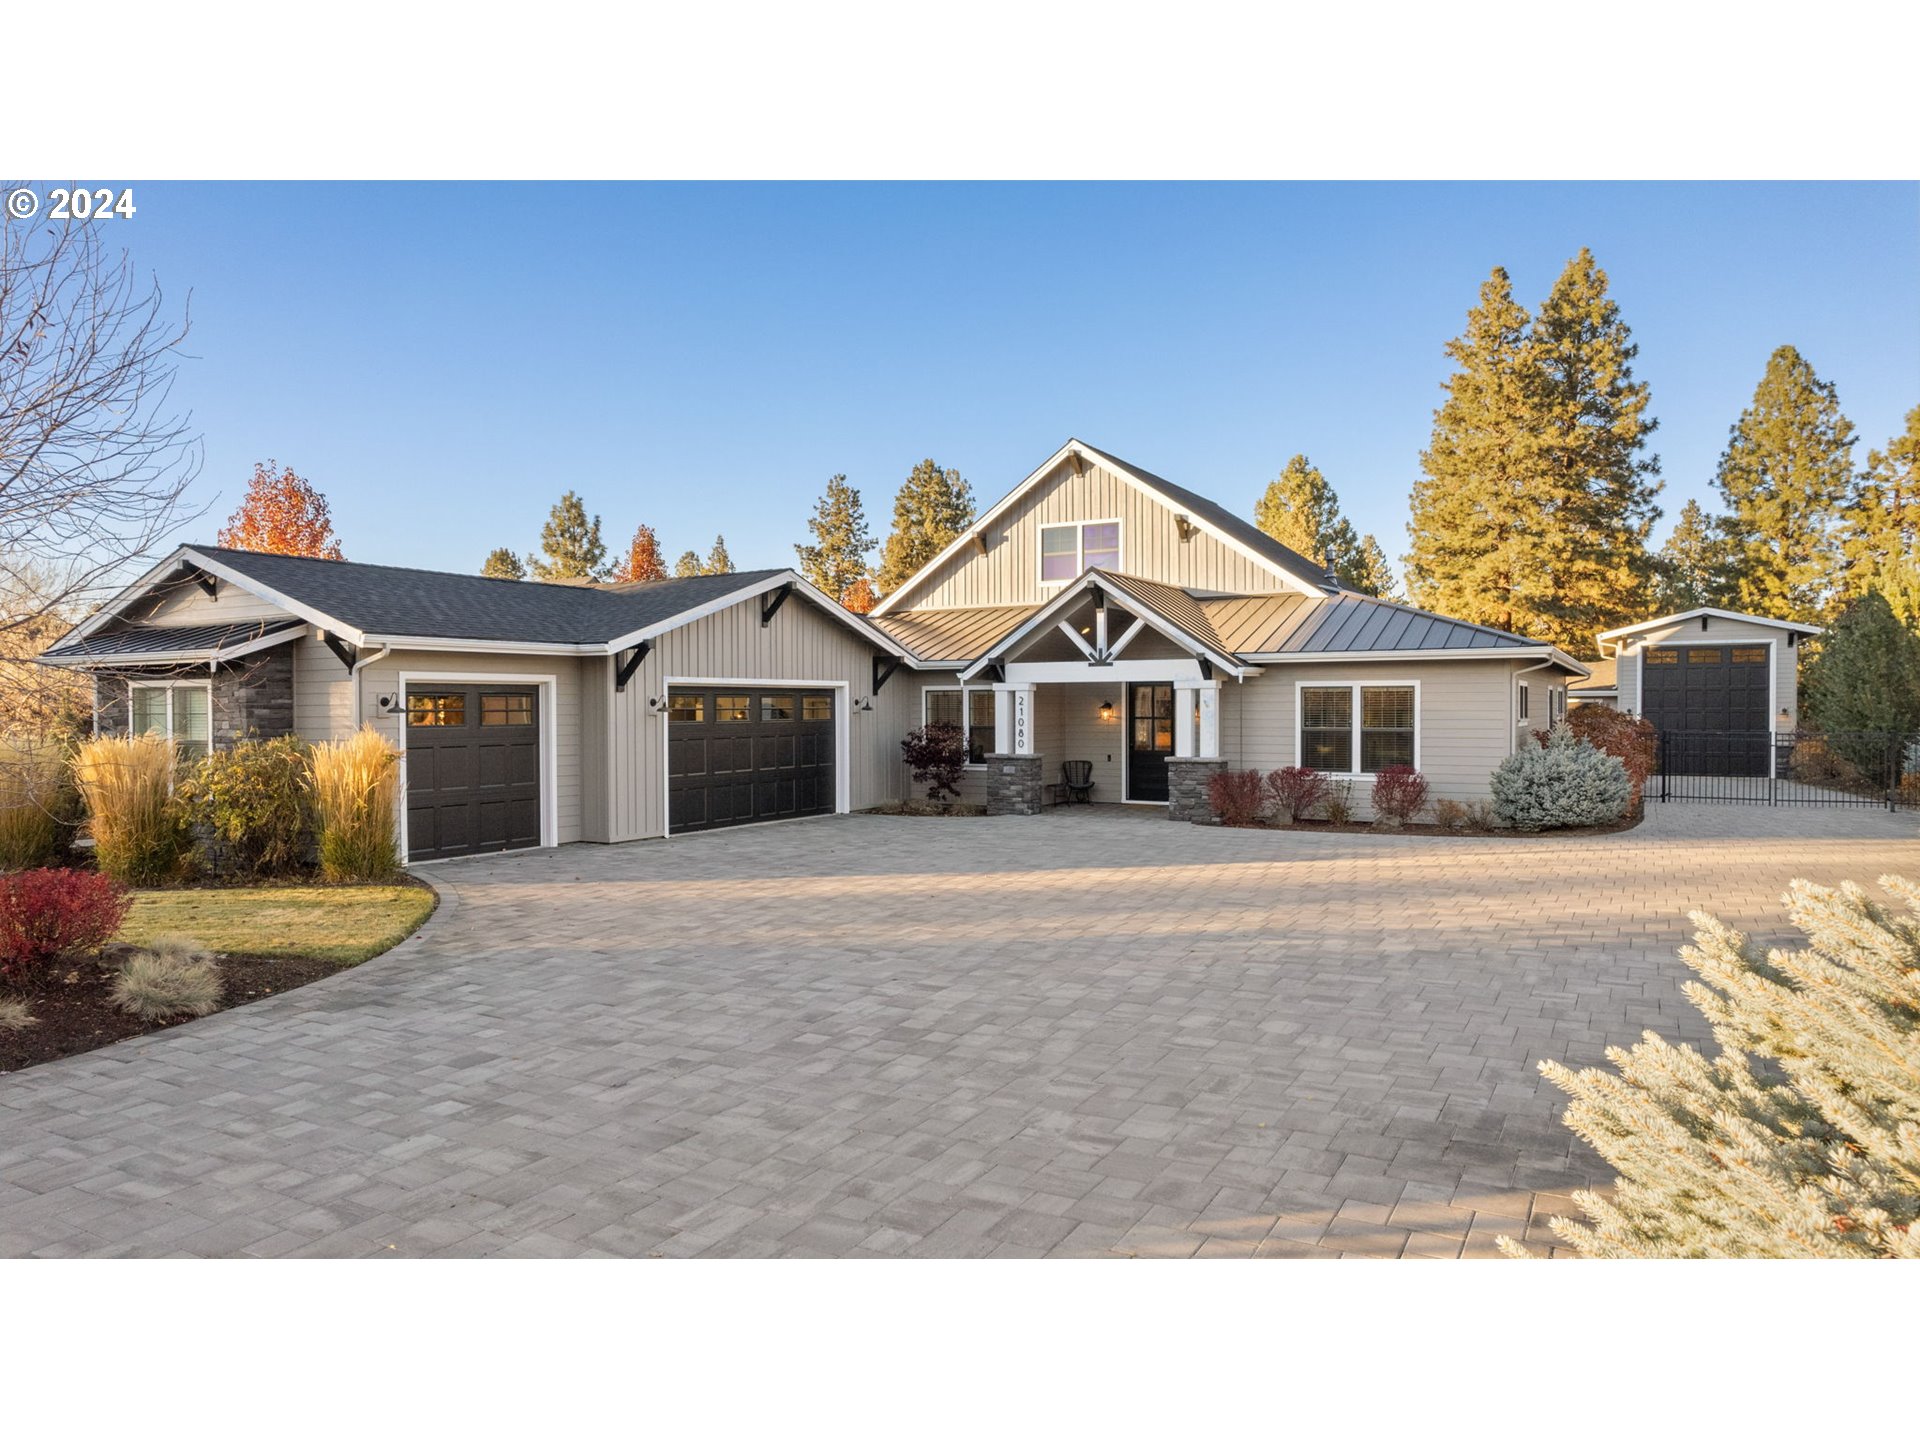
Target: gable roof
(398, 605)
(1604, 679)
(1283, 563)
(953, 637)
(194, 644)
(1798, 627)
(1142, 607)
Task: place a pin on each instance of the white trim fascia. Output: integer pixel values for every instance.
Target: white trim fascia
(1140, 609)
(549, 684)
(1182, 671)
(842, 733)
(835, 611)
(274, 597)
(1047, 467)
(442, 644)
(1383, 682)
(1717, 614)
(1404, 657)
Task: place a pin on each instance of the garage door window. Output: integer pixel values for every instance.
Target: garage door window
(506, 710)
(731, 708)
(436, 710)
(688, 709)
(776, 707)
(1750, 655)
(1663, 657)
(816, 707)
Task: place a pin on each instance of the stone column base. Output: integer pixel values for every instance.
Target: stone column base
(1187, 780)
(1013, 784)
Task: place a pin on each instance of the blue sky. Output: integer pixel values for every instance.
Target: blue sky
(444, 360)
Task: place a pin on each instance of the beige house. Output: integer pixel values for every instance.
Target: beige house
(1097, 617)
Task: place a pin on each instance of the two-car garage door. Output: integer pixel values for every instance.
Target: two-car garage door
(739, 754)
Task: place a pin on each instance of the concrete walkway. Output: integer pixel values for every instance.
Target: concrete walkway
(1081, 1034)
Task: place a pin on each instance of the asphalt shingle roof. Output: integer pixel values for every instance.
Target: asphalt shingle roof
(393, 600)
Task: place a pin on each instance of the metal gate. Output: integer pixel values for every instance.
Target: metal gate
(1789, 767)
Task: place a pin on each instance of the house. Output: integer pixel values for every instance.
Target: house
(1096, 613)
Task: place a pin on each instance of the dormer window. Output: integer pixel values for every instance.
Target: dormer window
(1066, 550)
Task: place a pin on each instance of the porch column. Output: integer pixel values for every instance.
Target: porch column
(1014, 784)
(1013, 719)
(1183, 706)
(1003, 719)
(1209, 719)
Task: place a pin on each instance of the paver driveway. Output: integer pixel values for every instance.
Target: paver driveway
(1083, 1034)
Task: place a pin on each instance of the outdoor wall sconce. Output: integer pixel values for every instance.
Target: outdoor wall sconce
(1106, 709)
(864, 705)
(1786, 720)
(656, 703)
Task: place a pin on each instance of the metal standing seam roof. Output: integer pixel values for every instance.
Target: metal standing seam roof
(952, 636)
(1171, 603)
(133, 642)
(394, 600)
(1351, 622)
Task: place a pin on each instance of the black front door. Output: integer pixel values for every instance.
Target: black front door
(1149, 740)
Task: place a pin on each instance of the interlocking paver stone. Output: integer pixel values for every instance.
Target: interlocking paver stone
(1084, 1033)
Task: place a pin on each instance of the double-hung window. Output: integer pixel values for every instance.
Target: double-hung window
(1066, 550)
(1357, 729)
(182, 712)
(969, 708)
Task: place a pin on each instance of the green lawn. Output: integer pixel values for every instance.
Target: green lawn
(342, 923)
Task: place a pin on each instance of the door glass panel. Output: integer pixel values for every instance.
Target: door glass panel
(816, 707)
(1663, 657)
(730, 708)
(685, 709)
(776, 707)
(1703, 657)
(506, 709)
(1750, 655)
(436, 709)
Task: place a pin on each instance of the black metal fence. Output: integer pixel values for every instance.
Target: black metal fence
(1789, 767)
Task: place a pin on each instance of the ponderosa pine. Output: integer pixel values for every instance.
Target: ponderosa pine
(570, 544)
(931, 509)
(837, 558)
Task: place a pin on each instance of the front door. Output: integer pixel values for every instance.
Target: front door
(1149, 740)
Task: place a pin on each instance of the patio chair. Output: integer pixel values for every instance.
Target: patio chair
(1077, 776)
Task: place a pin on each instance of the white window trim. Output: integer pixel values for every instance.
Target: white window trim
(170, 686)
(1526, 702)
(1079, 528)
(1356, 686)
(966, 710)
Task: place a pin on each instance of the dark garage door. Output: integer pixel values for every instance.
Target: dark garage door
(741, 754)
(1710, 704)
(473, 769)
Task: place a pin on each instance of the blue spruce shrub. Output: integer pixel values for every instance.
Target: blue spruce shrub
(1562, 783)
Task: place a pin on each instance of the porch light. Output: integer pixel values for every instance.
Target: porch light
(1106, 709)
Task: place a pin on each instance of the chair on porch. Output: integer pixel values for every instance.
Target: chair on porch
(1077, 776)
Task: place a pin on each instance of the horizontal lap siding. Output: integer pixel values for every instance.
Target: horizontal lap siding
(1150, 546)
(188, 604)
(1786, 658)
(383, 677)
(1463, 719)
(801, 644)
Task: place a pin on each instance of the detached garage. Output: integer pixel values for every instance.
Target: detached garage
(1717, 684)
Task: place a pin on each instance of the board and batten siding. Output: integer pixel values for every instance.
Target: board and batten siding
(1150, 547)
(801, 644)
(185, 603)
(1786, 658)
(1464, 723)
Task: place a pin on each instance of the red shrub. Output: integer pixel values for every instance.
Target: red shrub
(1631, 738)
(1236, 796)
(1298, 791)
(1399, 794)
(937, 755)
(47, 913)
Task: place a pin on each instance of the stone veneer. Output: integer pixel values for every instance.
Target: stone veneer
(252, 696)
(1188, 778)
(1013, 784)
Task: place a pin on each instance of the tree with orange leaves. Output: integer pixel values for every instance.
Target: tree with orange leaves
(282, 514)
(859, 597)
(644, 561)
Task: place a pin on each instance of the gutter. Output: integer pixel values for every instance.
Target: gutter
(359, 715)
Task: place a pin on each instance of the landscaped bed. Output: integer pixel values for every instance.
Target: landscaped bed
(265, 939)
(1363, 827)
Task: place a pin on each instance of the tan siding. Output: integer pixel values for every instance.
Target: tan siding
(1078, 733)
(1786, 658)
(596, 739)
(322, 692)
(187, 604)
(801, 644)
(383, 677)
(1150, 546)
(1463, 719)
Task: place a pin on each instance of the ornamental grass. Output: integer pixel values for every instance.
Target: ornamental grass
(356, 786)
(126, 784)
(33, 787)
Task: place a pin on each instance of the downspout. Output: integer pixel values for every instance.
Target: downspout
(1513, 700)
(359, 718)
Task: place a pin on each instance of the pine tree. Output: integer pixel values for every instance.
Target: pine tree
(929, 513)
(1883, 523)
(689, 564)
(838, 555)
(1691, 569)
(1301, 511)
(1785, 474)
(571, 544)
(718, 561)
(1601, 482)
(1476, 551)
(1372, 572)
(503, 564)
(1865, 675)
(1799, 1138)
(643, 562)
(281, 514)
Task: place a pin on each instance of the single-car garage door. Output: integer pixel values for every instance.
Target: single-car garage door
(745, 753)
(1710, 702)
(473, 769)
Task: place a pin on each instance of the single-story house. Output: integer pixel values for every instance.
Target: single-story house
(1097, 614)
